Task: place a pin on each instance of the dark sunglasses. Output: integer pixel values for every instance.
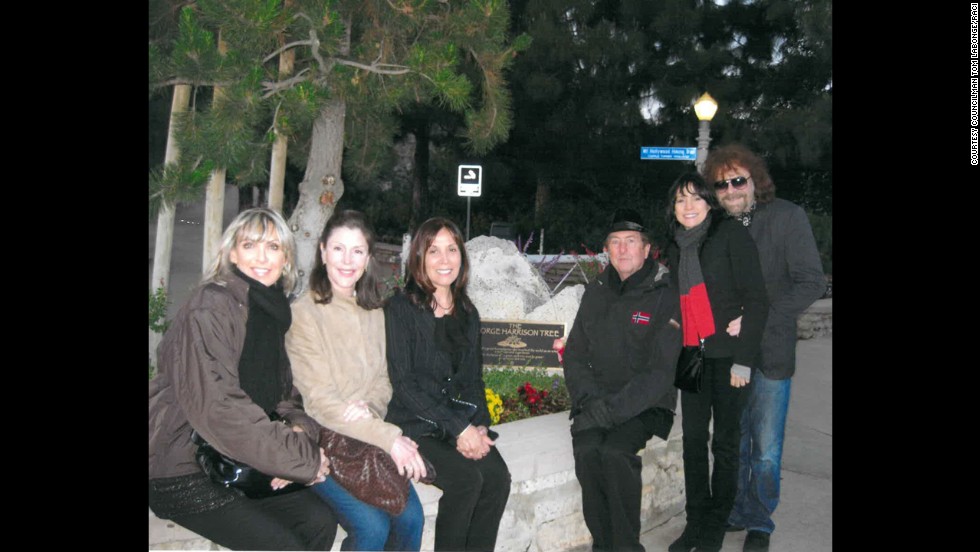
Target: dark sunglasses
(738, 183)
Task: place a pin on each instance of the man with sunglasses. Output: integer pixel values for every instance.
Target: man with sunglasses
(794, 280)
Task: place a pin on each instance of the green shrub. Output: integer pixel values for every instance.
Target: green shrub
(158, 311)
(158, 316)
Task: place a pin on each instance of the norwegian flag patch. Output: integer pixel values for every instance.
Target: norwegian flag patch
(640, 317)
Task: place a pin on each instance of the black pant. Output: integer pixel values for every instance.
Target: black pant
(293, 521)
(708, 505)
(474, 495)
(608, 469)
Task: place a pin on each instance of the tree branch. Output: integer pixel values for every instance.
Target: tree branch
(381, 68)
(273, 87)
(195, 83)
(286, 47)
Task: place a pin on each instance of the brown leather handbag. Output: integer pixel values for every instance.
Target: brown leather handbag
(367, 472)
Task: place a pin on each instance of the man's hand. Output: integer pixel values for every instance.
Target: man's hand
(595, 413)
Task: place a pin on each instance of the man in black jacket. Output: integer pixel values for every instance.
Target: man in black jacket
(620, 360)
(794, 280)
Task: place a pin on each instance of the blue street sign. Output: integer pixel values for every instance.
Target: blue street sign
(674, 154)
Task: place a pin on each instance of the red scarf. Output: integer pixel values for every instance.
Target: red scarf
(696, 318)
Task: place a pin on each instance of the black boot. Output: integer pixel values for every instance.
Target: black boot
(712, 537)
(756, 541)
(689, 539)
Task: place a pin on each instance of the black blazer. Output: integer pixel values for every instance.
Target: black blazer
(736, 287)
(419, 373)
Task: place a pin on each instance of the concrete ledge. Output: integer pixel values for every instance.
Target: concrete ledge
(816, 321)
(544, 512)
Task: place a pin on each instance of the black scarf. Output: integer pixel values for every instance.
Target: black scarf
(264, 351)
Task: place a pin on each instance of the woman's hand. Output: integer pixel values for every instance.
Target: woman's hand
(473, 444)
(356, 410)
(406, 455)
(734, 328)
(323, 471)
(278, 483)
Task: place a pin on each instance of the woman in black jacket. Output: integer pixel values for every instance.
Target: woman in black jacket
(436, 371)
(716, 265)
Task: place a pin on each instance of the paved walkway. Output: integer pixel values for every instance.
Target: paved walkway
(804, 516)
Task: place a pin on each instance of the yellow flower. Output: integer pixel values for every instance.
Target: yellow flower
(495, 405)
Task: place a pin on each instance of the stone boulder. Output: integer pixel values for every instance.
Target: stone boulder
(503, 284)
(561, 308)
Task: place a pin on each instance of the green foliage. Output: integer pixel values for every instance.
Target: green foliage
(377, 56)
(158, 311)
(177, 182)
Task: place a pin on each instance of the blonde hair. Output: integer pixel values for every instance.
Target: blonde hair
(256, 224)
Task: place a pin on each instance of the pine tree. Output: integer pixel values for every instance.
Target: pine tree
(357, 63)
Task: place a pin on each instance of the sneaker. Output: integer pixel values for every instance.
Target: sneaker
(756, 541)
(688, 540)
(729, 528)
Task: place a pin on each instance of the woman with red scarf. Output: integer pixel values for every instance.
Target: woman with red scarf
(716, 265)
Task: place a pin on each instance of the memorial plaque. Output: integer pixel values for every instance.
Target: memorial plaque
(520, 343)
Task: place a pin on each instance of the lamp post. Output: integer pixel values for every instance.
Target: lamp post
(705, 108)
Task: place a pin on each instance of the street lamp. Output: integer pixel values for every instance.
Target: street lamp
(705, 107)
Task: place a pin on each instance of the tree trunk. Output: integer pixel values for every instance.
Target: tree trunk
(321, 187)
(165, 218)
(277, 168)
(541, 196)
(214, 209)
(214, 199)
(420, 175)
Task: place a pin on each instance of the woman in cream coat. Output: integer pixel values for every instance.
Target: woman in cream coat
(336, 346)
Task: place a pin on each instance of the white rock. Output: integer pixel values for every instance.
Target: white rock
(561, 308)
(503, 284)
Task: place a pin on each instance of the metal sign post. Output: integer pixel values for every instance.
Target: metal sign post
(469, 180)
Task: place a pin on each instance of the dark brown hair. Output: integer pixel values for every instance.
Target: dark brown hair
(419, 288)
(366, 289)
(692, 183)
(731, 155)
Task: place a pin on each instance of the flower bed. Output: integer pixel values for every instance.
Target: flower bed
(518, 393)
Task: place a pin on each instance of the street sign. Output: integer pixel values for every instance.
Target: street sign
(470, 177)
(673, 154)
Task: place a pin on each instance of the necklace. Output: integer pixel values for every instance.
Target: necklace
(445, 310)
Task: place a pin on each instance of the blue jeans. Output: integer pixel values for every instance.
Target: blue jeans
(761, 453)
(369, 528)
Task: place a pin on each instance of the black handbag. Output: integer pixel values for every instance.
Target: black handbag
(228, 472)
(690, 369)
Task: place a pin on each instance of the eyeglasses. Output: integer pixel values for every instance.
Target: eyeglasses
(738, 183)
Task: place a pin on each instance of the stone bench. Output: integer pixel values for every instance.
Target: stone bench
(544, 512)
